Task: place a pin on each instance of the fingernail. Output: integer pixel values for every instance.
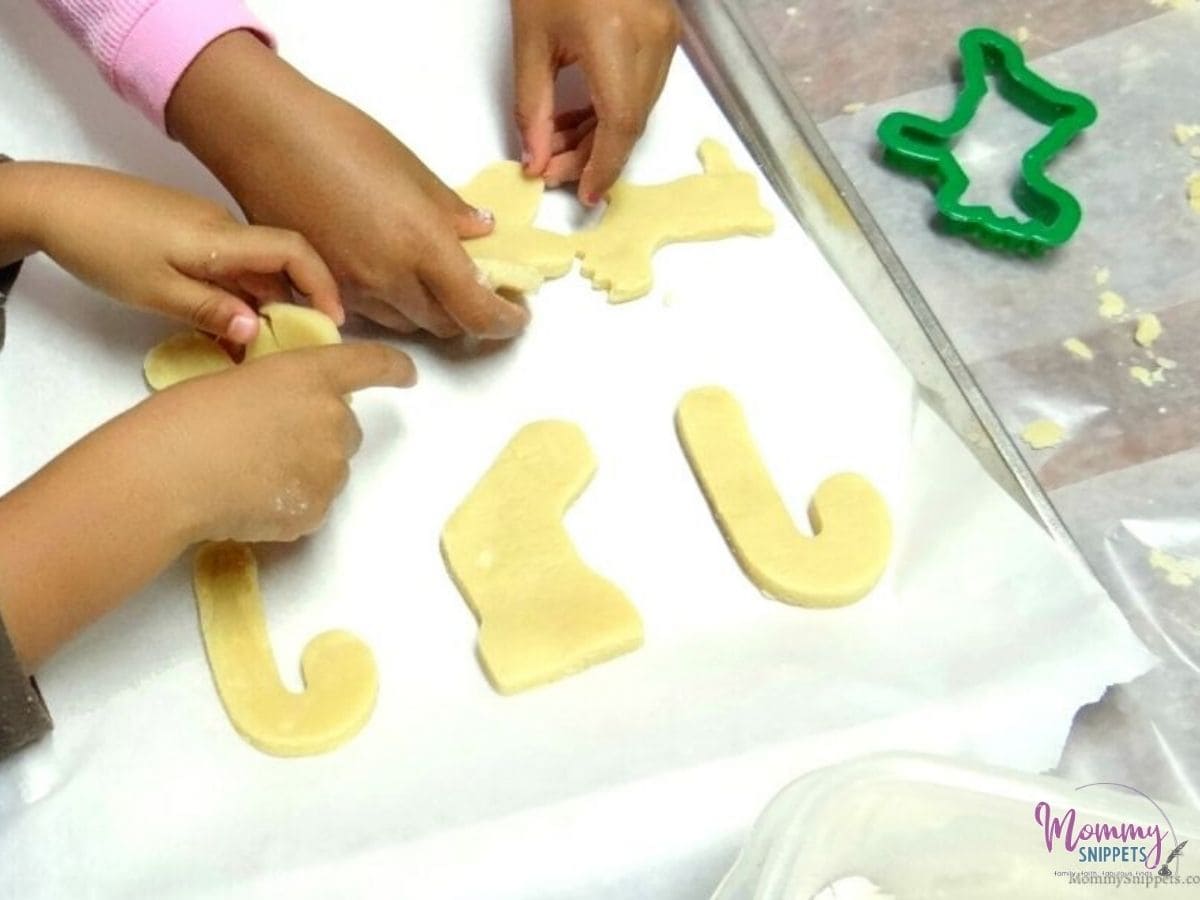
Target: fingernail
(486, 216)
(241, 329)
(592, 199)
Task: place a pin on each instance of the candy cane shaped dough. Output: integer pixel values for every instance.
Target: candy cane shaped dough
(852, 532)
(339, 672)
(542, 612)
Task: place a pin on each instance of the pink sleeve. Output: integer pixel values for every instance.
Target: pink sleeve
(142, 47)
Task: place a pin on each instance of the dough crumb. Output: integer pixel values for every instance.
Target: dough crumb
(1181, 571)
(1112, 305)
(1194, 191)
(1145, 376)
(1184, 133)
(1078, 348)
(852, 108)
(1149, 330)
(791, 11)
(1043, 434)
(1195, 151)
(1172, 4)
(1102, 276)
(1164, 363)
(1022, 35)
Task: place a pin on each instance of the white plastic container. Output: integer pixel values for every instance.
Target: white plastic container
(922, 828)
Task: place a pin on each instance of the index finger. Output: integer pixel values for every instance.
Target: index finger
(621, 112)
(265, 251)
(346, 368)
(457, 284)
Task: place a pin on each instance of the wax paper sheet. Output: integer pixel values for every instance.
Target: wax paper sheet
(635, 778)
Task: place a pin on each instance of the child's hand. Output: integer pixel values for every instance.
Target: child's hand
(259, 452)
(624, 48)
(256, 453)
(167, 251)
(298, 157)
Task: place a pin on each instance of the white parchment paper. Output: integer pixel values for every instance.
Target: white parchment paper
(636, 778)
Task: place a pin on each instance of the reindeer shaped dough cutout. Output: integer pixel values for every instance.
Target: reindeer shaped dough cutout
(852, 532)
(516, 255)
(543, 614)
(340, 678)
(721, 202)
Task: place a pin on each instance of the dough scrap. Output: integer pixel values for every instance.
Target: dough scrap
(515, 247)
(1145, 376)
(286, 326)
(720, 203)
(1102, 277)
(1043, 434)
(188, 354)
(1149, 330)
(543, 614)
(340, 677)
(1078, 348)
(1193, 186)
(281, 326)
(1181, 571)
(1112, 305)
(852, 530)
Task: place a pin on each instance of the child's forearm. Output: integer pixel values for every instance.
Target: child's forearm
(20, 184)
(79, 537)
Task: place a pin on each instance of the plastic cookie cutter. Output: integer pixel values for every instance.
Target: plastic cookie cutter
(924, 147)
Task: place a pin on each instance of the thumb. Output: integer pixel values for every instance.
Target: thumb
(534, 70)
(214, 311)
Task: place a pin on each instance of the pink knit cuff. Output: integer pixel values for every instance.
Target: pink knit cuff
(163, 42)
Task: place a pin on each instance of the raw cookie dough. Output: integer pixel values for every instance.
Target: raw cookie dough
(1078, 348)
(721, 203)
(852, 530)
(507, 276)
(1180, 571)
(1149, 330)
(1194, 191)
(183, 356)
(516, 252)
(1112, 305)
(340, 678)
(1145, 376)
(1043, 434)
(286, 326)
(1102, 276)
(542, 612)
(281, 326)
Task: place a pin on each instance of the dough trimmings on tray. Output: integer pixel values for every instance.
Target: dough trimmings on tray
(543, 613)
(852, 532)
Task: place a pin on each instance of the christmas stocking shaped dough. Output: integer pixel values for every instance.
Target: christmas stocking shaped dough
(339, 672)
(516, 255)
(852, 532)
(641, 218)
(542, 612)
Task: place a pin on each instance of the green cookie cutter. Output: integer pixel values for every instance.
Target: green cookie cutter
(923, 147)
